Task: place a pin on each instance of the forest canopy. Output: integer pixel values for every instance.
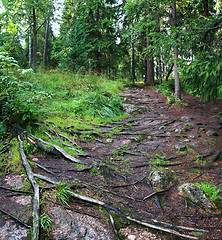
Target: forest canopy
(170, 42)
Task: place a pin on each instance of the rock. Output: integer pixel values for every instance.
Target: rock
(15, 181)
(211, 133)
(178, 130)
(162, 179)
(187, 118)
(162, 127)
(126, 142)
(131, 237)
(195, 194)
(180, 147)
(134, 139)
(109, 140)
(12, 231)
(70, 225)
(129, 108)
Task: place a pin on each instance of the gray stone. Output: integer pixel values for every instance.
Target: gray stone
(194, 194)
(180, 147)
(162, 179)
(70, 225)
(129, 108)
(109, 140)
(12, 231)
(187, 118)
(211, 133)
(178, 130)
(126, 142)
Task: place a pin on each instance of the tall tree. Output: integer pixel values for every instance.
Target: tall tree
(175, 53)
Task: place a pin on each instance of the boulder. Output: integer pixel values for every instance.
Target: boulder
(129, 108)
(71, 225)
(194, 194)
(211, 134)
(162, 179)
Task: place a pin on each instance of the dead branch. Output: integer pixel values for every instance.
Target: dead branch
(44, 178)
(74, 210)
(217, 156)
(59, 149)
(36, 224)
(43, 168)
(14, 218)
(157, 200)
(14, 190)
(113, 223)
(120, 213)
(154, 193)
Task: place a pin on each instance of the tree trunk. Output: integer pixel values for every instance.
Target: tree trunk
(30, 42)
(133, 75)
(34, 40)
(46, 44)
(175, 54)
(149, 74)
(206, 8)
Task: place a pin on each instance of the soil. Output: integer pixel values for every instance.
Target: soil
(154, 135)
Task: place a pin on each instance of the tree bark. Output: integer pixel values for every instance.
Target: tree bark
(34, 40)
(30, 41)
(133, 75)
(175, 54)
(206, 8)
(46, 44)
(149, 74)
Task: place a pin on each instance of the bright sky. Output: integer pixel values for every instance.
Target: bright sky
(1, 8)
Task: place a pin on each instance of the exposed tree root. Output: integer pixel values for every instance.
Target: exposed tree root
(14, 218)
(36, 225)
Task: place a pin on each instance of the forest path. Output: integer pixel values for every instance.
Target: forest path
(155, 136)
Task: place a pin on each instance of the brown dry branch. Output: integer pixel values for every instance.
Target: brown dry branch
(31, 177)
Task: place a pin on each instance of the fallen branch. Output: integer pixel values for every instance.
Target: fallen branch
(14, 190)
(120, 213)
(113, 223)
(15, 218)
(43, 168)
(36, 224)
(217, 156)
(44, 178)
(155, 193)
(157, 200)
(59, 149)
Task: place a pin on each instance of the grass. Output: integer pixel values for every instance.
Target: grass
(68, 96)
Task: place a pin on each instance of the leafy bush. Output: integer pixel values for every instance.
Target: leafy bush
(17, 97)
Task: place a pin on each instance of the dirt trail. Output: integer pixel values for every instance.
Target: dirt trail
(154, 135)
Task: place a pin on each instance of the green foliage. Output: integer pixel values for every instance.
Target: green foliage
(202, 76)
(18, 98)
(73, 48)
(46, 222)
(63, 193)
(97, 104)
(210, 190)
